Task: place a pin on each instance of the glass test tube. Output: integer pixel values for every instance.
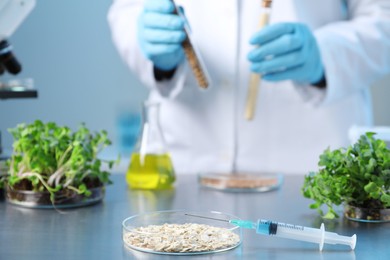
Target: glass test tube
(255, 78)
(193, 56)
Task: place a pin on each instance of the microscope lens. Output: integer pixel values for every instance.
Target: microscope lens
(8, 60)
(11, 64)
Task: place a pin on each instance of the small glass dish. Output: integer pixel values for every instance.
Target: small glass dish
(371, 215)
(241, 182)
(180, 232)
(41, 200)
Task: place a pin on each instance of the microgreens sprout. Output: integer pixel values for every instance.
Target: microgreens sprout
(358, 175)
(53, 157)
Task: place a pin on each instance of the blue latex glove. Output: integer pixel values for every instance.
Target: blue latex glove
(287, 51)
(160, 34)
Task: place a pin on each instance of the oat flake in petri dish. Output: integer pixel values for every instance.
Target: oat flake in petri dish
(179, 233)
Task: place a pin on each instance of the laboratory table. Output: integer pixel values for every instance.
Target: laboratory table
(94, 232)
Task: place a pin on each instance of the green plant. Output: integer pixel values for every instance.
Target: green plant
(53, 158)
(358, 175)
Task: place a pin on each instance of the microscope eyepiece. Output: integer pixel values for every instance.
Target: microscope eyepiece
(7, 58)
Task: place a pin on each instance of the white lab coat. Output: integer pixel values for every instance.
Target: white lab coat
(206, 130)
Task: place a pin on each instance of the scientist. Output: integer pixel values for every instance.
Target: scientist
(318, 60)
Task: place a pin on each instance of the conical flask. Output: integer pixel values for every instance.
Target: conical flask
(150, 164)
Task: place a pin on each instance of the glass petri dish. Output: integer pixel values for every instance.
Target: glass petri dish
(371, 215)
(180, 232)
(41, 200)
(241, 182)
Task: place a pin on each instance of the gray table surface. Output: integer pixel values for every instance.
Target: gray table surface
(94, 232)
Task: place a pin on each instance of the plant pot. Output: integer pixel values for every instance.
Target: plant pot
(373, 215)
(63, 199)
(2, 194)
(3, 172)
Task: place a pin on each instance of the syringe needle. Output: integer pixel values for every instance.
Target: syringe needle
(197, 216)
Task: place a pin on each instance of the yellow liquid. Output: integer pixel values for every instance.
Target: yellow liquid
(156, 172)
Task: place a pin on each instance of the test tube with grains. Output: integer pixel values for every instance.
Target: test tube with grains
(193, 57)
(255, 79)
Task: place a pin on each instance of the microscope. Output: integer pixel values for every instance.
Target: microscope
(12, 14)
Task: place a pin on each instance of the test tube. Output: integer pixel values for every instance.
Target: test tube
(255, 78)
(193, 55)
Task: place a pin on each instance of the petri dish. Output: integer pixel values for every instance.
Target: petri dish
(3, 173)
(41, 200)
(180, 232)
(371, 215)
(241, 182)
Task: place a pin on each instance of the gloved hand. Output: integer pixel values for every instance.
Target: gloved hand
(287, 51)
(160, 34)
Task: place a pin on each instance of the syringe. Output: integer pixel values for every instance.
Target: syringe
(278, 229)
(314, 235)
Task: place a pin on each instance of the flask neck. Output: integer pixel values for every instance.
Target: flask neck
(151, 140)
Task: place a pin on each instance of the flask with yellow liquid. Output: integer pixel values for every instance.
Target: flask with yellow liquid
(150, 164)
